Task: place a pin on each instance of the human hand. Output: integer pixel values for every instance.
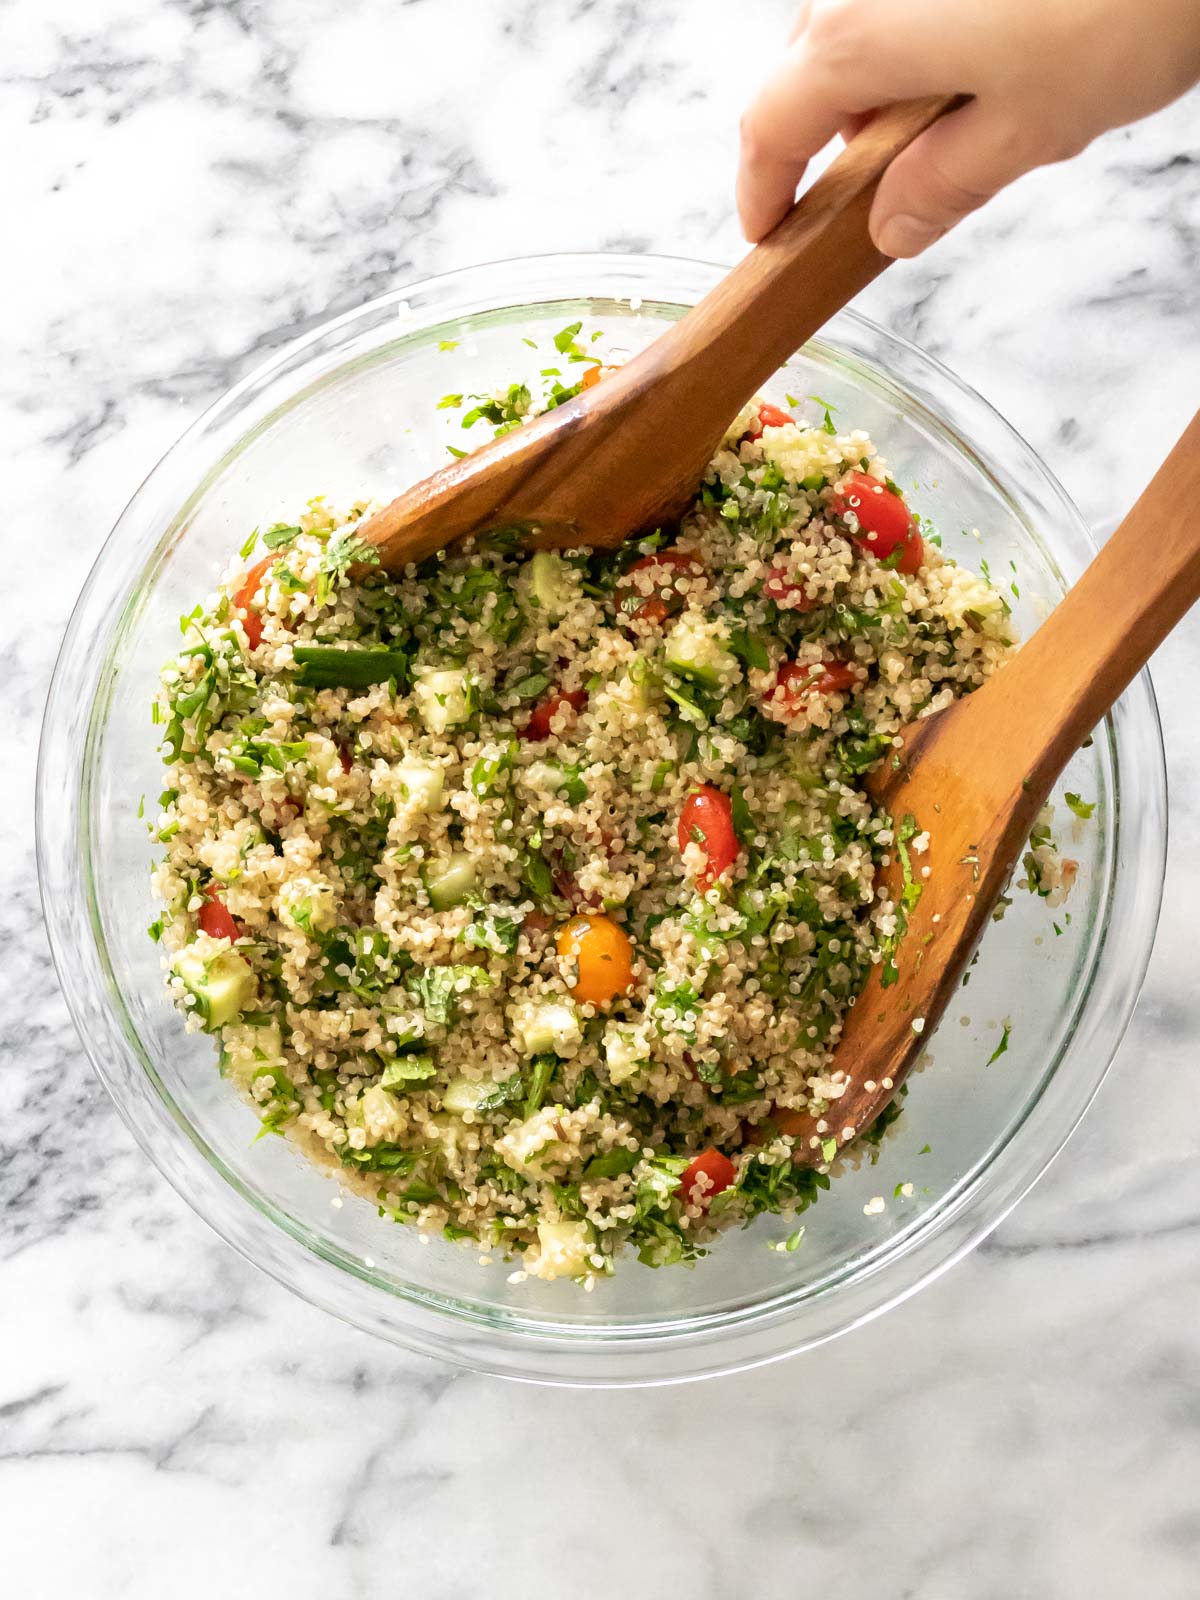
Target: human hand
(1047, 76)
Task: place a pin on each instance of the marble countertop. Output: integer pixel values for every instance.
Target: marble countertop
(194, 181)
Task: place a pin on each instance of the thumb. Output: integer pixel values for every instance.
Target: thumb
(946, 173)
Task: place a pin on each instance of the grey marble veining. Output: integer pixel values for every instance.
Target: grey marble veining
(190, 183)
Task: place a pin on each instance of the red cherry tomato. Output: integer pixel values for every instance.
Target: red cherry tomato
(706, 819)
(884, 522)
(796, 681)
(666, 568)
(215, 921)
(769, 416)
(716, 1168)
(787, 594)
(544, 713)
(251, 621)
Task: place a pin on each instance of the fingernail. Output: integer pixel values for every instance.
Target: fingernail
(903, 235)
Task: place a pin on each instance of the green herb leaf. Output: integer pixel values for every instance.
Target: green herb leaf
(611, 1164)
(381, 1158)
(750, 649)
(537, 874)
(1002, 1046)
(342, 552)
(743, 822)
(490, 774)
(564, 339)
(281, 534)
(504, 1094)
(498, 930)
(541, 1076)
(439, 989)
(827, 425)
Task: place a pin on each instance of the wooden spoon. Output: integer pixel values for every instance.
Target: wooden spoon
(626, 455)
(976, 775)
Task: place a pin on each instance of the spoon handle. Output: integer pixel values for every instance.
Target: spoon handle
(627, 454)
(1101, 634)
(785, 289)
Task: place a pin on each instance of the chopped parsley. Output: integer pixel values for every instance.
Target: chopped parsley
(1002, 1047)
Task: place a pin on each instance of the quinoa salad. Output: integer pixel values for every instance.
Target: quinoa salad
(523, 889)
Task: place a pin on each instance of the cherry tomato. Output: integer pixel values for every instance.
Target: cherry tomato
(544, 713)
(796, 681)
(251, 621)
(769, 416)
(666, 568)
(593, 376)
(716, 1168)
(788, 595)
(706, 819)
(215, 921)
(884, 522)
(603, 957)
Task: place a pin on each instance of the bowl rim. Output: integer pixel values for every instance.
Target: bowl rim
(539, 1349)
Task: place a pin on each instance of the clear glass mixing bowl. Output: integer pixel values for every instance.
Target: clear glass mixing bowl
(351, 409)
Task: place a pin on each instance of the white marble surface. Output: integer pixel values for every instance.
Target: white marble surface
(188, 183)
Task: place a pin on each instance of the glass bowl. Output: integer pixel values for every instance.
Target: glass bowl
(351, 409)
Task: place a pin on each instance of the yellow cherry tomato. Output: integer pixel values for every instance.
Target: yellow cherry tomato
(603, 957)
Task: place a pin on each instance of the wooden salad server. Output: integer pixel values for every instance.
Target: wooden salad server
(977, 774)
(625, 456)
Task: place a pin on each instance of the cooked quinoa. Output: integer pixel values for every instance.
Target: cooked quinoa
(521, 889)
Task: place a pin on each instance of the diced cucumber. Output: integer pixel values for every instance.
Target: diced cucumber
(447, 1132)
(636, 690)
(551, 1026)
(624, 1052)
(223, 984)
(419, 784)
(553, 584)
(442, 698)
(693, 648)
(324, 760)
(465, 1094)
(309, 905)
(563, 1250)
(449, 882)
(523, 1143)
(405, 1071)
